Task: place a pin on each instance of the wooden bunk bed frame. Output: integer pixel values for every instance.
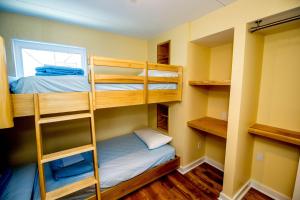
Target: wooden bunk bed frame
(106, 99)
(22, 104)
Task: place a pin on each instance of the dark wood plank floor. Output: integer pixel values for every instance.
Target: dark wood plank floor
(204, 182)
(253, 194)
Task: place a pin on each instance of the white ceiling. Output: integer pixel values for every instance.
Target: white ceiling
(139, 18)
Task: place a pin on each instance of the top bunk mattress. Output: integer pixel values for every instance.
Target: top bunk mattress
(120, 159)
(47, 84)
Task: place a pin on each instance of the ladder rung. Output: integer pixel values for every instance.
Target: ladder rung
(71, 188)
(63, 118)
(66, 153)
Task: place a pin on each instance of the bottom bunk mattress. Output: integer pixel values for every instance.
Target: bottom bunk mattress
(120, 159)
(47, 84)
(21, 183)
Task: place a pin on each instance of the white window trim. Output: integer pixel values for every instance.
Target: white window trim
(18, 45)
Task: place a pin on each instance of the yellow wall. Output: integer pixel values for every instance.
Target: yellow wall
(109, 122)
(245, 78)
(185, 139)
(278, 106)
(97, 42)
(280, 84)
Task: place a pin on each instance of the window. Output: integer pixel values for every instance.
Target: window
(29, 54)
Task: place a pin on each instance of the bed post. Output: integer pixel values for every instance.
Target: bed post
(180, 82)
(6, 113)
(92, 76)
(146, 83)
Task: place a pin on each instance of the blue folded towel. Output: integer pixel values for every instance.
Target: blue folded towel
(73, 170)
(76, 165)
(48, 70)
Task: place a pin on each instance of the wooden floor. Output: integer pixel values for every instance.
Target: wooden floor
(256, 195)
(204, 182)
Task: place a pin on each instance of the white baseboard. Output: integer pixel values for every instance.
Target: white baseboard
(185, 169)
(214, 163)
(239, 195)
(244, 189)
(269, 191)
(259, 187)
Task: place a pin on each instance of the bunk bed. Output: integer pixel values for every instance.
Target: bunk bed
(142, 89)
(113, 156)
(108, 90)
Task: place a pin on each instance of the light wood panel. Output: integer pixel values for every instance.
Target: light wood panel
(66, 153)
(210, 125)
(103, 78)
(107, 99)
(22, 105)
(39, 146)
(159, 96)
(46, 120)
(163, 67)
(111, 62)
(284, 135)
(210, 83)
(63, 102)
(6, 110)
(71, 188)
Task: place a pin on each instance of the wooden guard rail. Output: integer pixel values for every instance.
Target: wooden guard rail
(130, 79)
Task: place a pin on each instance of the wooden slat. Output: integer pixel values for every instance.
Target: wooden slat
(94, 143)
(163, 67)
(159, 96)
(39, 146)
(22, 105)
(92, 78)
(103, 78)
(108, 99)
(6, 110)
(68, 189)
(211, 83)
(180, 83)
(210, 125)
(66, 153)
(146, 81)
(284, 135)
(63, 102)
(152, 79)
(64, 118)
(110, 62)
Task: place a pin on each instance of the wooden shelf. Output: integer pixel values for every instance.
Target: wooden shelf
(210, 83)
(292, 137)
(210, 125)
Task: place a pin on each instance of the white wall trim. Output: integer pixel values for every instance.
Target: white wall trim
(214, 163)
(269, 191)
(258, 186)
(243, 190)
(239, 195)
(185, 169)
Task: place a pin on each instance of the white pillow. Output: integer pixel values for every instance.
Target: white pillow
(153, 139)
(158, 73)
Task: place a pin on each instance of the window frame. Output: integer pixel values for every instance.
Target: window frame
(19, 44)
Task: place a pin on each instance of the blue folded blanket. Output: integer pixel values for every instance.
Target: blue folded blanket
(48, 70)
(72, 166)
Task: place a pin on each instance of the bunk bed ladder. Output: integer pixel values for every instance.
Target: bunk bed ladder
(42, 159)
